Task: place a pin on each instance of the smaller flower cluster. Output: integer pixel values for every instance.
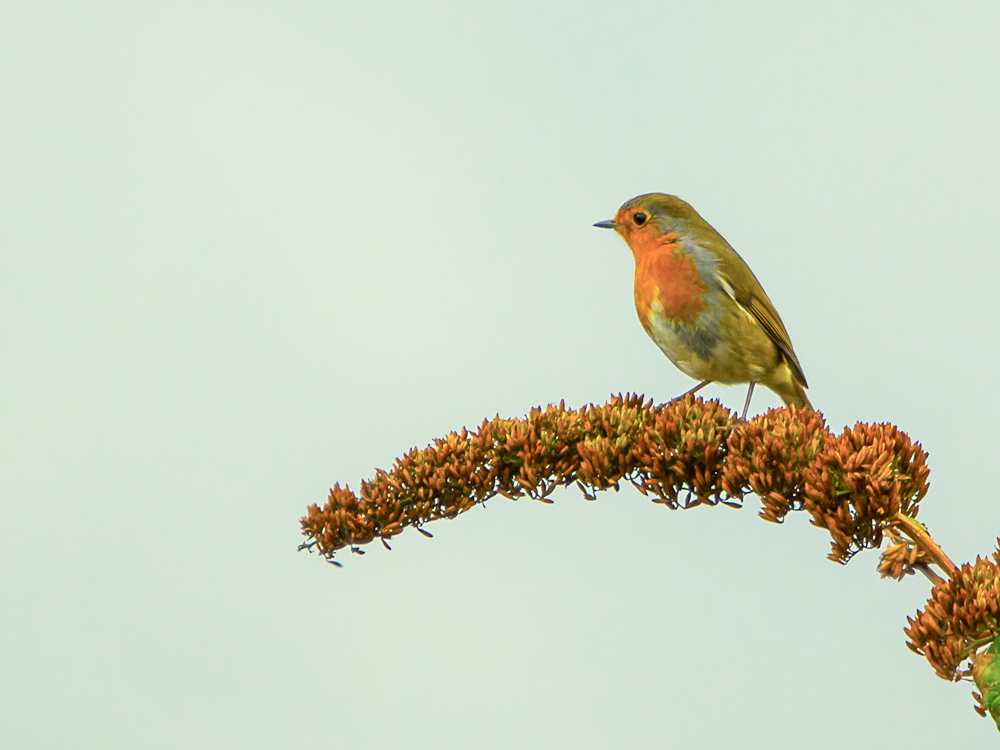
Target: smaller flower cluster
(961, 616)
(902, 557)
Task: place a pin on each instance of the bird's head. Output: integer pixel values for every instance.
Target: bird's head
(647, 218)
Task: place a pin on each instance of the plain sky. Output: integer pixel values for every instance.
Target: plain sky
(251, 249)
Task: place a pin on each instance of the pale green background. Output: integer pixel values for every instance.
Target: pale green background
(251, 249)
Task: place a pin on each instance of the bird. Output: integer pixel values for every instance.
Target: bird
(700, 303)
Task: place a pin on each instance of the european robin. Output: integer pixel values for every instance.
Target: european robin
(700, 302)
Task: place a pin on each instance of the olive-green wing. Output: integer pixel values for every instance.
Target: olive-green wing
(739, 280)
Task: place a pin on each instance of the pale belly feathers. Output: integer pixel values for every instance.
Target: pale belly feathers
(702, 348)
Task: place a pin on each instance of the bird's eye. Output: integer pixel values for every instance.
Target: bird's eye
(640, 219)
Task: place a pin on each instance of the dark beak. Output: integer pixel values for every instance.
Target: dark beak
(609, 224)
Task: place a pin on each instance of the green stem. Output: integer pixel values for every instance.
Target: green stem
(918, 533)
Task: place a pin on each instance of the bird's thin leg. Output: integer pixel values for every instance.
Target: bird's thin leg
(694, 390)
(746, 406)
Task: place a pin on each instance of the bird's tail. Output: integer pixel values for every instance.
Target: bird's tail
(793, 394)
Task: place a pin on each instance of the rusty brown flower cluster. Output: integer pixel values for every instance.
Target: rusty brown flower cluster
(961, 616)
(685, 453)
(862, 480)
(769, 454)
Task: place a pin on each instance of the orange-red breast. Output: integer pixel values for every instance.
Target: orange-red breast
(700, 302)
